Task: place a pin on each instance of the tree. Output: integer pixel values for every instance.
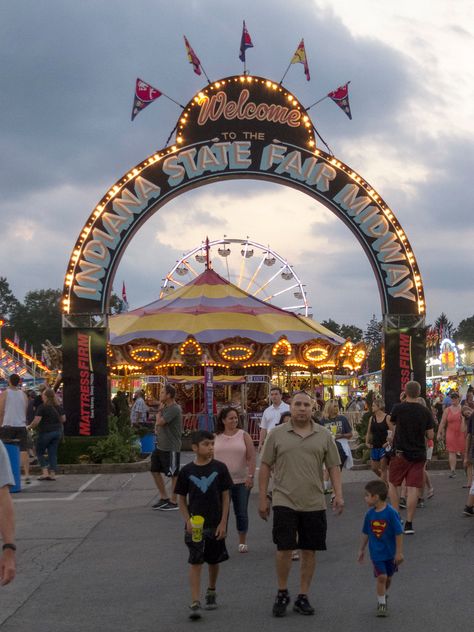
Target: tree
(444, 326)
(465, 331)
(115, 304)
(38, 318)
(332, 326)
(351, 331)
(373, 333)
(7, 300)
(373, 337)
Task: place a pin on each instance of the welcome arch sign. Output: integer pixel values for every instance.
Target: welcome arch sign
(239, 127)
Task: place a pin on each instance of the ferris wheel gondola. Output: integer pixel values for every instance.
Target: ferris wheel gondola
(247, 264)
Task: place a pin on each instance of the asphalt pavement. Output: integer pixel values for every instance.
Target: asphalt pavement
(93, 555)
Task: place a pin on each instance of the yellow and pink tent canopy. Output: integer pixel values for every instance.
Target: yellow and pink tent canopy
(211, 309)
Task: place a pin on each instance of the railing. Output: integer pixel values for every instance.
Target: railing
(253, 427)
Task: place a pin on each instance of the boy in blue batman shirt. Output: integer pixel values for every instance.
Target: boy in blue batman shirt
(382, 531)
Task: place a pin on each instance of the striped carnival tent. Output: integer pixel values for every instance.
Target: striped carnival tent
(210, 321)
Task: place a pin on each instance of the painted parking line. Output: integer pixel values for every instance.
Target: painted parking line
(72, 496)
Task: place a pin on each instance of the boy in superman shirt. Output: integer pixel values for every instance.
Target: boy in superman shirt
(383, 531)
(202, 489)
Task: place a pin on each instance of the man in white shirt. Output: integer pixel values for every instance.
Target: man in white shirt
(13, 405)
(271, 415)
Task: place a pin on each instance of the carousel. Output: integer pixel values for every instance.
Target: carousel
(249, 343)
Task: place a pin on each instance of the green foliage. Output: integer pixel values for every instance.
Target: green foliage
(38, 318)
(444, 326)
(465, 331)
(115, 304)
(332, 326)
(7, 301)
(346, 331)
(72, 448)
(373, 333)
(351, 331)
(119, 446)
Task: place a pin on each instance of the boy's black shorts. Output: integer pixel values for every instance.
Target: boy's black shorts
(165, 462)
(299, 529)
(209, 550)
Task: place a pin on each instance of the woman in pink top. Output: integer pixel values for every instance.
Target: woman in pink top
(451, 428)
(234, 447)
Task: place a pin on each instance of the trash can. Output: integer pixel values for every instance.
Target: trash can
(147, 443)
(13, 450)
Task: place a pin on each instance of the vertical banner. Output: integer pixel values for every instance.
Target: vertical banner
(209, 396)
(404, 356)
(85, 381)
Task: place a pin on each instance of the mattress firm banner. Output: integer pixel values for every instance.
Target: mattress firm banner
(241, 127)
(404, 357)
(85, 381)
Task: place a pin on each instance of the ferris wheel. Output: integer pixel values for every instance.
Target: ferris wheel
(253, 267)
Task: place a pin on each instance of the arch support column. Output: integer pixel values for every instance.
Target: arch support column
(404, 355)
(86, 391)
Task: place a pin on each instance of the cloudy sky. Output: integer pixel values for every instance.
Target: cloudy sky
(67, 76)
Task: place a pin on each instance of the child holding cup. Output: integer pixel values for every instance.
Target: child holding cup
(203, 495)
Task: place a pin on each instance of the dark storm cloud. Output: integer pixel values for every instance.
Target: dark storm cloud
(66, 83)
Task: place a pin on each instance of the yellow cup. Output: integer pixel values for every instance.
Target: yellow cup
(197, 524)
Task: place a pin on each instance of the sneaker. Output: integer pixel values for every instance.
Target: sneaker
(27, 480)
(420, 504)
(161, 503)
(453, 474)
(281, 602)
(211, 603)
(403, 503)
(468, 511)
(303, 606)
(169, 506)
(408, 528)
(195, 613)
(382, 610)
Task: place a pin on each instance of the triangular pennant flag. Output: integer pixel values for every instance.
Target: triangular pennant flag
(124, 298)
(300, 58)
(144, 95)
(341, 98)
(245, 42)
(192, 57)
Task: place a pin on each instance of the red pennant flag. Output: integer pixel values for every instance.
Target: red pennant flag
(144, 95)
(124, 298)
(341, 98)
(300, 58)
(245, 42)
(192, 57)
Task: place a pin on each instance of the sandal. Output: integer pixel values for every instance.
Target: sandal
(243, 548)
(295, 556)
(430, 493)
(50, 478)
(42, 478)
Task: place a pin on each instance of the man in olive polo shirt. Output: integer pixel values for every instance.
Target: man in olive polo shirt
(297, 451)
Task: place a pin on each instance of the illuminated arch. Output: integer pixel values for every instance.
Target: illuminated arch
(214, 144)
(151, 184)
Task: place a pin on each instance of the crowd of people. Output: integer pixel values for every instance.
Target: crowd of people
(301, 451)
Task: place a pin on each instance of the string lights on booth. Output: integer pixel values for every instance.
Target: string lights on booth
(26, 356)
(236, 353)
(282, 348)
(145, 354)
(190, 347)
